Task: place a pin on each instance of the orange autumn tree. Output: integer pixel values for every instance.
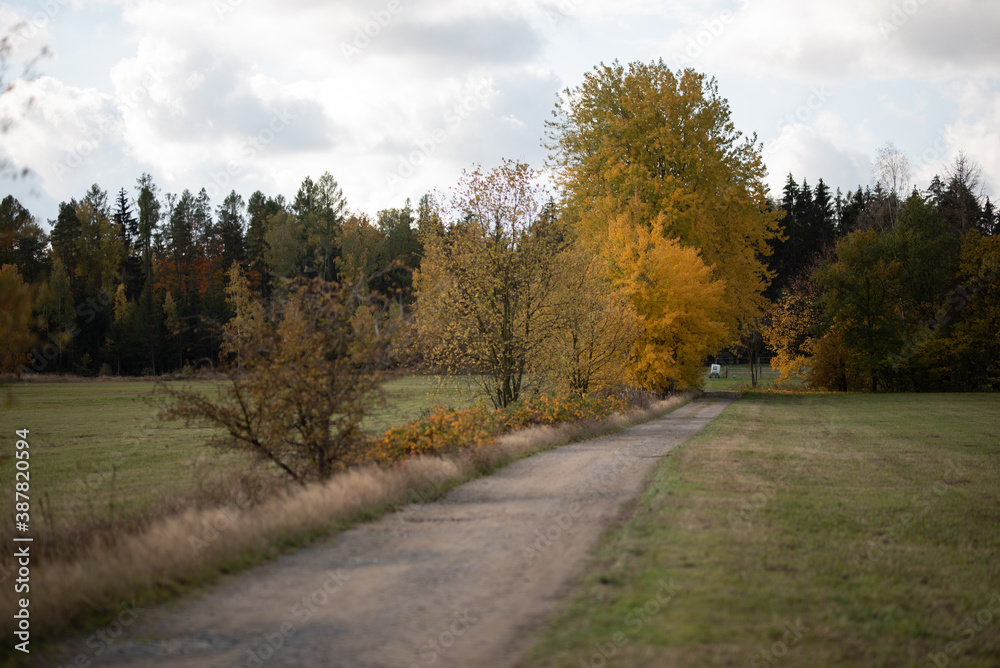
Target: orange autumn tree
(680, 306)
(791, 326)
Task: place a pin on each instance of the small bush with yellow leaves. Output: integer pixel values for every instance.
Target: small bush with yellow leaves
(449, 430)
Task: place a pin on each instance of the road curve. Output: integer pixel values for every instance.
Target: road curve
(460, 582)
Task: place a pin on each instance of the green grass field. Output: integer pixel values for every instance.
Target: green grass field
(739, 379)
(99, 449)
(805, 530)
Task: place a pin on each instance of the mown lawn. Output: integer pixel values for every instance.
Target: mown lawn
(98, 448)
(805, 530)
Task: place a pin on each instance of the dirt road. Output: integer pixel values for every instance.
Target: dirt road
(460, 582)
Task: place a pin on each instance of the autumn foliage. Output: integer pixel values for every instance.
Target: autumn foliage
(448, 430)
(16, 302)
(489, 291)
(791, 328)
(656, 177)
(904, 304)
(678, 302)
(661, 146)
(308, 372)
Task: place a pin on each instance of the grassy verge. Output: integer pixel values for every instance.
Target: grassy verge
(805, 530)
(191, 548)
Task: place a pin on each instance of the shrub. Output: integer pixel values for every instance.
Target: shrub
(448, 430)
(444, 430)
(305, 376)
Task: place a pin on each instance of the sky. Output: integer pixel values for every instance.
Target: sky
(396, 97)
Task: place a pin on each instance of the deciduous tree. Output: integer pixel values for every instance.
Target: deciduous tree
(647, 137)
(17, 300)
(248, 316)
(310, 374)
(597, 325)
(679, 303)
(486, 287)
(861, 293)
(792, 323)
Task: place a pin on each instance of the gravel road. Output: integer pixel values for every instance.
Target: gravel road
(464, 581)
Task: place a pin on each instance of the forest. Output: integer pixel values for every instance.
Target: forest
(135, 285)
(678, 256)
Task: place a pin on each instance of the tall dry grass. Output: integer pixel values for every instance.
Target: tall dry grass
(193, 546)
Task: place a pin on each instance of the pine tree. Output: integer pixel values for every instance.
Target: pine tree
(824, 218)
(802, 237)
(853, 212)
(22, 240)
(401, 250)
(65, 232)
(100, 246)
(230, 230)
(125, 221)
(782, 260)
(991, 218)
(960, 205)
(180, 240)
(320, 207)
(149, 219)
(260, 210)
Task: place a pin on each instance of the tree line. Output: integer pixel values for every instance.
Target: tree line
(659, 247)
(889, 289)
(135, 284)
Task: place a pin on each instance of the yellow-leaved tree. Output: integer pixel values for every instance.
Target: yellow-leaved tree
(488, 287)
(793, 323)
(679, 304)
(248, 316)
(17, 300)
(593, 336)
(660, 146)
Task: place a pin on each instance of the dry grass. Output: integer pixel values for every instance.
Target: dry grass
(64, 537)
(193, 546)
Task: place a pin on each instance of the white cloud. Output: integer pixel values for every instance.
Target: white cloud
(833, 40)
(69, 138)
(368, 86)
(976, 132)
(807, 153)
(357, 111)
